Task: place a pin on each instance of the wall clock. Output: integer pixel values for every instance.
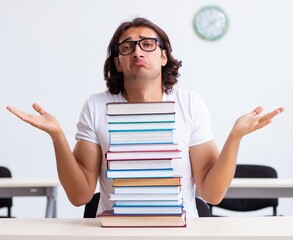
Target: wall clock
(210, 23)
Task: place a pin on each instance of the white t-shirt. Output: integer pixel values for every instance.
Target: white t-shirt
(193, 127)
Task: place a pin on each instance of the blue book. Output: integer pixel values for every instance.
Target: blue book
(140, 173)
(147, 209)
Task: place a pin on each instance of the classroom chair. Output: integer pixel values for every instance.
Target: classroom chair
(5, 202)
(249, 205)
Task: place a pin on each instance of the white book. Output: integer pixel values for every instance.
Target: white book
(146, 173)
(142, 147)
(168, 117)
(147, 189)
(150, 203)
(145, 197)
(141, 126)
(140, 107)
(147, 209)
(143, 155)
(142, 136)
(139, 164)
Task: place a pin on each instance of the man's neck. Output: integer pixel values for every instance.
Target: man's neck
(144, 95)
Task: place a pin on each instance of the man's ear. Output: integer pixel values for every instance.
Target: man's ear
(164, 58)
(117, 64)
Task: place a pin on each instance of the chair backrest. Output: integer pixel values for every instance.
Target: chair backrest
(202, 208)
(5, 202)
(251, 171)
(91, 207)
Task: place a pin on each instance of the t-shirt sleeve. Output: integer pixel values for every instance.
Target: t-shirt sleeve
(87, 122)
(202, 127)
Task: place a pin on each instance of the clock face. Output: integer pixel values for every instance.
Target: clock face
(210, 23)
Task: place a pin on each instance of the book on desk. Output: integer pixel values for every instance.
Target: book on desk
(109, 219)
(139, 162)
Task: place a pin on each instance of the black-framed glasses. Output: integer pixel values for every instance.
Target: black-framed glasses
(146, 44)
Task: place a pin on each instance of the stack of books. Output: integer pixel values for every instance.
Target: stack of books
(139, 160)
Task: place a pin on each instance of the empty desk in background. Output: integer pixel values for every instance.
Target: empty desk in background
(10, 187)
(260, 188)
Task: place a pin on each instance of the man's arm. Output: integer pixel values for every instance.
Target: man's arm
(78, 171)
(213, 172)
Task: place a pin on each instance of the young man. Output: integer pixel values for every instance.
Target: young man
(141, 68)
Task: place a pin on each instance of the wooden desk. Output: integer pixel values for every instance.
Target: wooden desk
(260, 188)
(245, 228)
(10, 187)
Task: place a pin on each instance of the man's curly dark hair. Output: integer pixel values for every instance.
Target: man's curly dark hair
(115, 80)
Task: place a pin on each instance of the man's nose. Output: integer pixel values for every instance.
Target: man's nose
(137, 50)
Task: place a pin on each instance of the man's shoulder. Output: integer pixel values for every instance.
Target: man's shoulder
(179, 93)
(104, 96)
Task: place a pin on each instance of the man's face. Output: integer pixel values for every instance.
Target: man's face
(141, 64)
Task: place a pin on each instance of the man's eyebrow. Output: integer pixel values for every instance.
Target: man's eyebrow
(126, 39)
(129, 38)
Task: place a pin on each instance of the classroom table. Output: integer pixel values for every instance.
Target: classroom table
(233, 228)
(260, 188)
(11, 187)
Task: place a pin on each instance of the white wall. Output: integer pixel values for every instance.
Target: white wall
(52, 52)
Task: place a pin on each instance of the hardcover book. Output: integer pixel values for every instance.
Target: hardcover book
(108, 219)
(147, 189)
(143, 147)
(141, 125)
(140, 107)
(128, 118)
(143, 155)
(174, 181)
(141, 136)
(139, 164)
(147, 209)
(145, 197)
(140, 173)
(151, 203)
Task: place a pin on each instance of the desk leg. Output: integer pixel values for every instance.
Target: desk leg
(51, 209)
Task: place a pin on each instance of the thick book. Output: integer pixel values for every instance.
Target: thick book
(108, 219)
(174, 181)
(128, 118)
(139, 164)
(143, 155)
(150, 203)
(145, 197)
(143, 147)
(140, 107)
(140, 173)
(147, 189)
(147, 209)
(141, 125)
(141, 136)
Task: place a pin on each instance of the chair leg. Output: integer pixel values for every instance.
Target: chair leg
(9, 212)
(274, 211)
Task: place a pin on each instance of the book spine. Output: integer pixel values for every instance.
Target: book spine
(147, 126)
